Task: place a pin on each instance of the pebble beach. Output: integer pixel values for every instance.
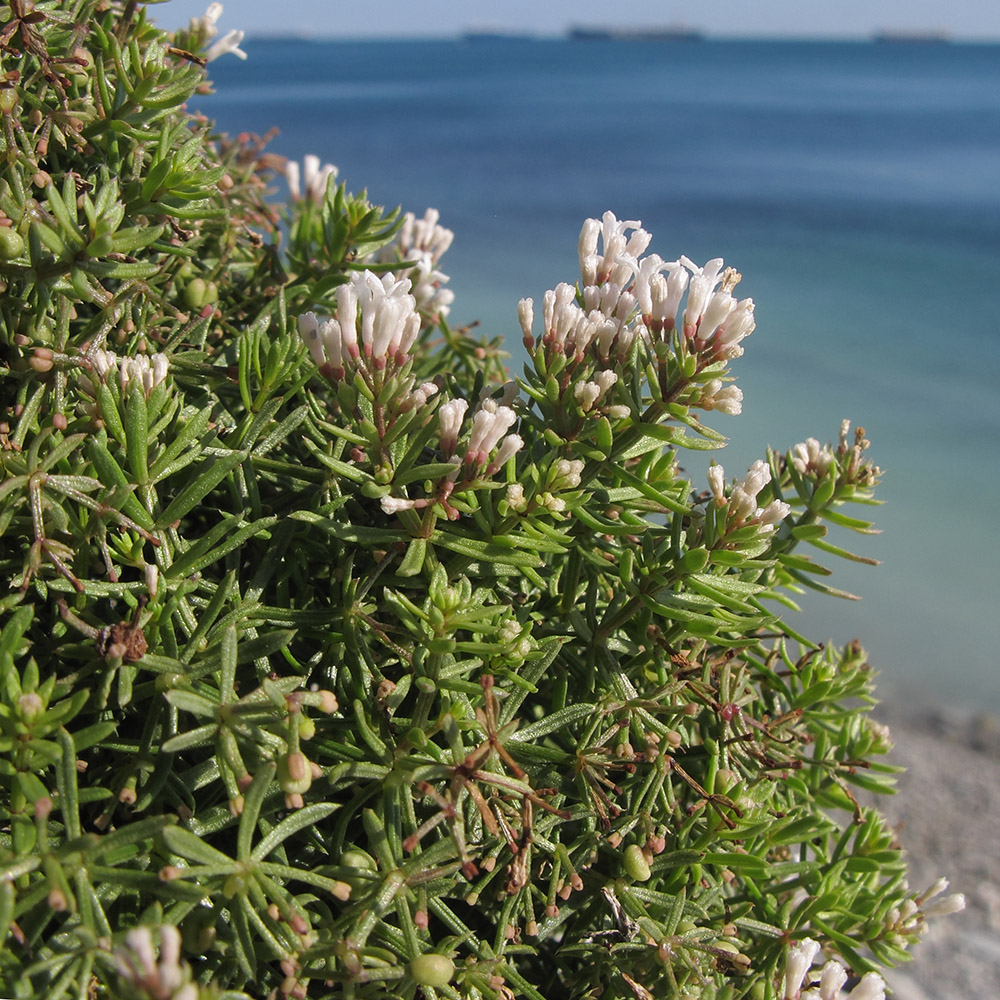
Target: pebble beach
(947, 815)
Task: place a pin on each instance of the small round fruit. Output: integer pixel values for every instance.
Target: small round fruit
(636, 864)
(432, 970)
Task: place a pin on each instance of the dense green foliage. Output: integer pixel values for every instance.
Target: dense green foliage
(367, 698)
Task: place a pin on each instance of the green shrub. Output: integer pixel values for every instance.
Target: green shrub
(332, 663)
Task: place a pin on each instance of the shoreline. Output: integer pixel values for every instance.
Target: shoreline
(947, 816)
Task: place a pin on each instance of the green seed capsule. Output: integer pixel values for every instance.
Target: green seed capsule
(636, 864)
(432, 970)
(11, 244)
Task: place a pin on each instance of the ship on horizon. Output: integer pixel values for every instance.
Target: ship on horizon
(670, 33)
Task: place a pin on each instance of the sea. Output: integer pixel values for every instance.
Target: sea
(856, 187)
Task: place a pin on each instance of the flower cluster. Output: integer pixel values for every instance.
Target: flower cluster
(374, 327)
(685, 316)
(742, 500)
(315, 175)
(147, 371)
(421, 243)
(831, 980)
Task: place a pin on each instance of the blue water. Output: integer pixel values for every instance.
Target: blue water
(855, 186)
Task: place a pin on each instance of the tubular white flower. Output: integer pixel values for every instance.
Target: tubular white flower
(587, 249)
(944, 906)
(308, 326)
(393, 505)
(737, 325)
(718, 308)
(871, 987)
(798, 961)
(831, 980)
(526, 317)
(489, 424)
(700, 288)
(389, 323)
(775, 511)
(757, 477)
(450, 417)
(228, 43)
(509, 447)
(717, 483)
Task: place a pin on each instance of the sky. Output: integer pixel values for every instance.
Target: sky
(962, 19)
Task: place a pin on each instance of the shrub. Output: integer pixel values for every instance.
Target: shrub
(335, 664)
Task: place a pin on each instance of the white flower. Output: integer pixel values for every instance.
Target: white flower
(700, 288)
(798, 961)
(228, 43)
(509, 447)
(393, 505)
(717, 309)
(871, 987)
(316, 178)
(450, 417)
(944, 906)
(737, 325)
(526, 317)
(489, 424)
(757, 477)
(775, 511)
(725, 400)
(717, 483)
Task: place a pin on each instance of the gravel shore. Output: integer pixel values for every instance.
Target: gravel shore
(947, 813)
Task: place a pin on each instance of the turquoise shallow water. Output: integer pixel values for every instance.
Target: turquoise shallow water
(855, 186)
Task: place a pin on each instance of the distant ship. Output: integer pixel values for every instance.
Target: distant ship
(673, 33)
(495, 35)
(912, 37)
